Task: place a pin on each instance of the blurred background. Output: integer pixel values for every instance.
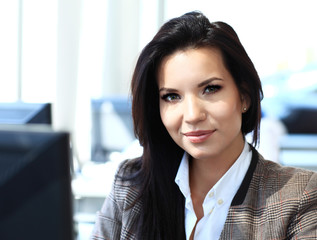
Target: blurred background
(78, 56)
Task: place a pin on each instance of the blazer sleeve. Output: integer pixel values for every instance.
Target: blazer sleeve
(304, 225)
(109, 219)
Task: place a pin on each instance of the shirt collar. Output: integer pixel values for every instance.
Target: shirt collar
(227, 186)
(182, 176)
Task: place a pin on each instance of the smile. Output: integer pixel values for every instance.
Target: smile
(199, 136)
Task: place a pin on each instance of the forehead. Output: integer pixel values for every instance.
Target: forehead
(193, 63)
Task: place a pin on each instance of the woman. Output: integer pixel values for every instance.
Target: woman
(196, 94)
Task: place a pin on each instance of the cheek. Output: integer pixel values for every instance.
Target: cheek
(165, 117)
(169, 119)
(229, 114)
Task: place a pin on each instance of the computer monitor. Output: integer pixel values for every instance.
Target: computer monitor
(25, 113)
(112, 126)
(35, 184)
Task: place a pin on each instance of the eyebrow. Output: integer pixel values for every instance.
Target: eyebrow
(167, 89)
(209, 80)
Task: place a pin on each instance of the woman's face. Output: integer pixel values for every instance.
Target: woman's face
(200, 104)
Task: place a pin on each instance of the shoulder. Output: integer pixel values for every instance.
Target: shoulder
(279, 198)
(128, 167)
(288, 182)
(121, 207)
(271, 171)
(125, 187)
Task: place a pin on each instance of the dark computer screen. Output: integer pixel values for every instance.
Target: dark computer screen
(35, 184)
(25, 113)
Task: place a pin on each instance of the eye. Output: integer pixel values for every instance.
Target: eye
(170, 97)
(212, 89)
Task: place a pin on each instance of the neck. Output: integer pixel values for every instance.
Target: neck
(205, 173)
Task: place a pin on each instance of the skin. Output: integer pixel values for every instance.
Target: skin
(201, 108)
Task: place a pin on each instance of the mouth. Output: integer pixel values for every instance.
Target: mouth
(198, 136)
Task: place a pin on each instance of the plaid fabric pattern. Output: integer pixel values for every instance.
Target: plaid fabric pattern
(115, 220)
(281, 203)
(274, 202)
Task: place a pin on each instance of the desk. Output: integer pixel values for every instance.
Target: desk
(90, 188)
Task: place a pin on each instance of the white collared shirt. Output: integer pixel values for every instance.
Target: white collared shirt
(217, 201)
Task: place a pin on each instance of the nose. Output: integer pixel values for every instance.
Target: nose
(194, 110)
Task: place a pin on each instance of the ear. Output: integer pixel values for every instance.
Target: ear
(245, 103)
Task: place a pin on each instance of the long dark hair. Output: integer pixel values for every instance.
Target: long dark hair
(162, 215)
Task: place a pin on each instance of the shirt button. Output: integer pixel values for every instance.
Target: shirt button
(220, 201)
(211, 194)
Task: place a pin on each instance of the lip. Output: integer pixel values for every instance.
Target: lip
(198, 136)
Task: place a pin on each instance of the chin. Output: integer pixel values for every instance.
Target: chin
(200, 155)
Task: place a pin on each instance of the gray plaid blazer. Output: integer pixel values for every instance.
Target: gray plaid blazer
(273, 202)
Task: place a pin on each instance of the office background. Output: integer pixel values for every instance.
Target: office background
(74, 52)
(69, 51)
